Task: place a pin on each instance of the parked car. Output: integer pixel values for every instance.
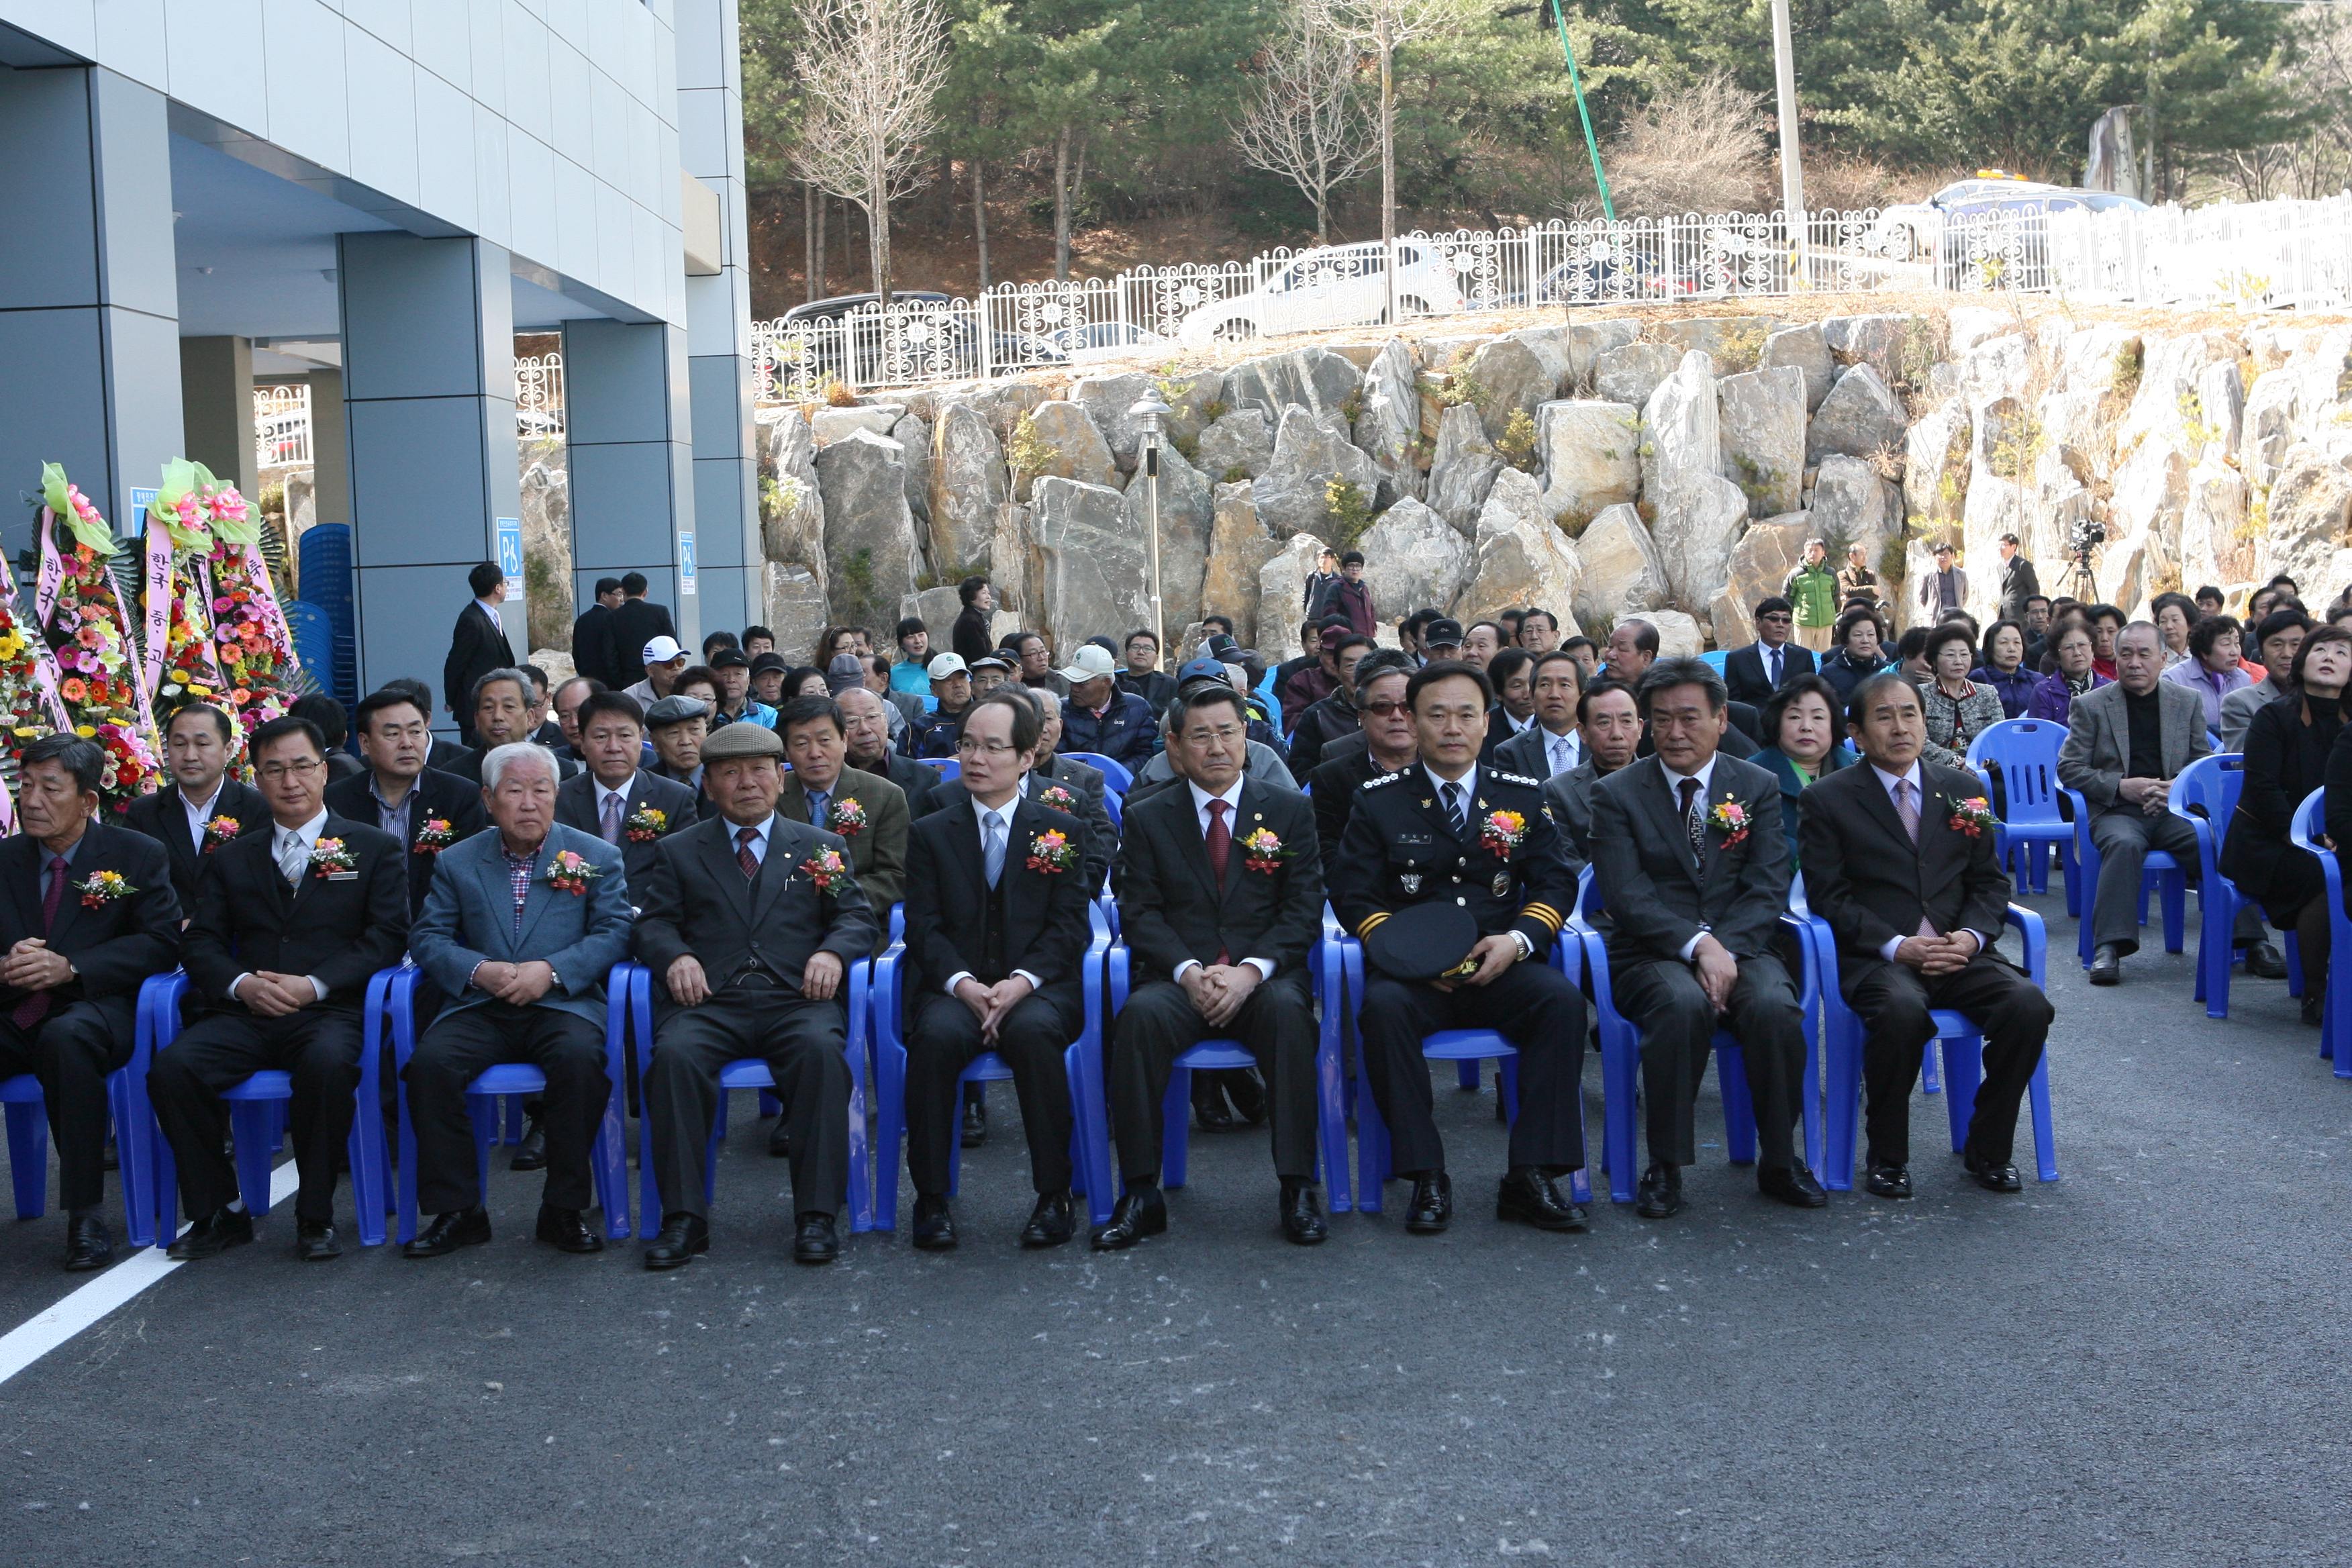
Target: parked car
(1101, 340)
(1335, 286)
(1912, 231)
(851, 339)
(1605, 273)
(2005, 243)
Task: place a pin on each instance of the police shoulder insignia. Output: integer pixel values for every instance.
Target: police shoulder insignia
(1501, 777)
(1379, 779)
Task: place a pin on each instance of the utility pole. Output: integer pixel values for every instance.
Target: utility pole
(1792, 169)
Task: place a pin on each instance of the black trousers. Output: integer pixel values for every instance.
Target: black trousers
(319, 1046)
(1894, 1001)
(1679, 1023)
(72, 1050)
(800, 1040)
(458, 1048)
(1159, 1024)
(1031, 1040)
(1531, 1005)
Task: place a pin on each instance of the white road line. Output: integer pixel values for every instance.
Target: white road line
(92, 1304)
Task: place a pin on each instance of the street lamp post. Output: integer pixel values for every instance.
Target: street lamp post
(1154, 415)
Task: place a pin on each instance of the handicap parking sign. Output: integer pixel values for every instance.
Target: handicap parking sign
(510, 531)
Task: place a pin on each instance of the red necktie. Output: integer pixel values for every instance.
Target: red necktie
(1221, 850)
(30, 1010)
(744, 839)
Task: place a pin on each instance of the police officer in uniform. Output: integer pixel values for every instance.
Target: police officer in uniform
(1464, 862)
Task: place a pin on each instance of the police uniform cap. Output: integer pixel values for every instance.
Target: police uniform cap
(1422, 941)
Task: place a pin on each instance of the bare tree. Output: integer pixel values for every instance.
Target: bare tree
(1306, 121)
(1385, 26)
(1694, 148)
(871, 70)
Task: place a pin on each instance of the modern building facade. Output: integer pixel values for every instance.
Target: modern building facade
(378, 194)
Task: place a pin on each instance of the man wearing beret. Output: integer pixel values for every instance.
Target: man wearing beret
(1451, 843)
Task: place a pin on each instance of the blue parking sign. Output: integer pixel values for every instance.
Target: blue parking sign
(685, 562)
(510, 532)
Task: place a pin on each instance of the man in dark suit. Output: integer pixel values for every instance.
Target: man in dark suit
(996, 943)
(749, 921)
(1385, 744)
(1687, 850)
(825, 792)
(1551, 745)
(477, 645)
(1904, 871)
(522, 925)
(2018, 581)
(88, 916)
(636, 621)
(1611, 728)
(1753, 673)
(205, 808)
(615, 799)
(592, 635)
(1450, 830)
(290, 927)
(503, 699)
(1219, 898)
(426, 809)
(866, 732)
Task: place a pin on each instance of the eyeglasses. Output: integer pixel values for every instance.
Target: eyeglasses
(1386, 708)
(965, 743)
(301, 770)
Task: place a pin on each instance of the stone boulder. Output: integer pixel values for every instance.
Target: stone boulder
(1762, 417)
(2310, 510)
(1292, 495)
(1414, 559)
(1187, 509)
(1682, 425)
(1015, 567)
(2220, 407)
(2002, 367)
(2151, 490)
(831, 425)
(1003, 402)
(793, 606)
(1851, 505)
(1315, 378)
(547, 548)
(914, 432)
(1282, 589)
(2267, 424)
(1521, 558)
(792, 509)
(869, 529)
(1389, 423)
(1463, 468)
(1623, 572)
(1936, 462)
(2213, 546)
(1881, 343)
(1511, 379)
(1804, 349)
(1190, 395)
(1106, 399)
(1242, 440)
(1858, 417)
(1092, 562)
(1075, 449)
(1729, 341)
(1589, 451)
(1239, 548)
(1587, 340)
(1697, 524)
(1552, 345)
(1631, 372)
(1966, 326)
(2167, 398)
(1760, 563)
(968, 487)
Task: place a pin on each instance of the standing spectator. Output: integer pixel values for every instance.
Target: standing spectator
(2290, 747)
(1102, 720)
(910, 675)
(592, 654)
(2054, 698)
(1143, 676)
(2174, 614)
(477, 645)
(1945, 588)
(969, 640)
(1540, 632)
(1326, 573)
(1812, 591)
(1856, 580)
(1753, 673)
(2211, 669)
(2004, 668)
(2278, 639)
(1858, 654)
(2018, 582)
(1349, 595)
(636, 622)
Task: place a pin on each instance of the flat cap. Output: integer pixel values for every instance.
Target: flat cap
(676, 711)
(741, 740)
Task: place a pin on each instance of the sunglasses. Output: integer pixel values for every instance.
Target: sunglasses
(1385, 708)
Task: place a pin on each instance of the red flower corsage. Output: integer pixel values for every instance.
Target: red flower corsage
(571, 872)
(824, 867)
(220, 830)
(435, 836)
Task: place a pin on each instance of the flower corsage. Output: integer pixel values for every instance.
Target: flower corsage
(102, 887)
(1056, 799)
(1732, 818)
(220, 830)
(571, 872)
(1051, 852)
(846, 818)
(1973, 816)
(824, 867)
(1262, 851)
(644, 825)
(329, 857)
(435, 836)
(1502, 832)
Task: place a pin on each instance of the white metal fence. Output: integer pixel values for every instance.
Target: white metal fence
(2291, 255)
(281, 426)
(539, 396)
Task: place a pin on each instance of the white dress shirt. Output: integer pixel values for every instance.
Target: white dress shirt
(1775, 660)
(981, 815)
(1705, 776)
(1519, 726)
(1232, 799)
(758, 844)
(1918, 783)
(200, 814)
(622, 795)
(278, 835)
(1562, 753)
(490, 610)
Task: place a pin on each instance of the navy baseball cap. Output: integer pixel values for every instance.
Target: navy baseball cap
(1202, 669)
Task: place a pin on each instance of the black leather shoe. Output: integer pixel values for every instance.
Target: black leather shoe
(213, 1235)
(1792, 1184)
(1141, 1212)
(316, 1242)
(1053, 1221)
(1246, 1091)
(89, 1244)
(1208, 1107)
(1302, 1213)
(682, 1236)
(2107, 965)
(567, 1230)
(1660, 1193)
(975, 1123)
(1994, 1176)
(934, 1227)
(2315, 1008)
(530, 1154)
(1431, 1208)
(2263, 961)
(1529, 1195)
(816, 1241)
(1888, 1180)
(779, 1140)
(449, 1232)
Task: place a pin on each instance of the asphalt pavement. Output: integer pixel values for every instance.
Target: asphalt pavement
(2140, 1363)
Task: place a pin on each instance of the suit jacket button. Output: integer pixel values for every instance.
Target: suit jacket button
(1460, 900)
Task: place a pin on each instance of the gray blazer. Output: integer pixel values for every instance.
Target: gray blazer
(1570, 797)
(468, 919)
(2098, 739)
(2239, 708)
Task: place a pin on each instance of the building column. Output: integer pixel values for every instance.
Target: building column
(217, 406)
(429, 423)
(632, 484)
(719, 320)
(89, 300)
(331, 458)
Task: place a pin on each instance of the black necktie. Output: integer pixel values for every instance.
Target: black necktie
(1452, 794)
(1692, 823)
(1773, 674)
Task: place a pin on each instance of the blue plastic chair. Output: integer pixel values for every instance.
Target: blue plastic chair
(2025, 751)
(1962, 1044)
(257, 1115)
(2160, 867)
(126, 1097)
(2335, 1027)
(752, 1072)
(949, 767)
(1116, 778)
(1620, 1049)
(2205, 795)
(609, 1160)
(887, 1011)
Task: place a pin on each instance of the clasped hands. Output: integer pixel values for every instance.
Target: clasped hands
(31, 966)
(990, 1003)
(1218, 990)
(518, 984)
(274, 995)
(1939, 955)
(2149, 795)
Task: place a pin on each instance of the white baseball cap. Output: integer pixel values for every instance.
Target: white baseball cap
(661, 650)
(945, 665)
(1092, 662)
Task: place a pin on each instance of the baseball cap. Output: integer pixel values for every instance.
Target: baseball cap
(1091, 663)
(1442, 634)
(730, 659)
(940, 669)
(1200, 669)
(766, 661)
(661, 650)
(994, 661)
(846, 670)
(1334, 636)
